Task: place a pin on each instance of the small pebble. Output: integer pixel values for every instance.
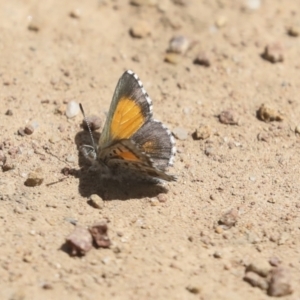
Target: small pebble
(263, 137)
(54, 139)
(6, 81)
(140, 30)
(32, 232)
(154, 202)
(202, 132)
(252, 178)
(106, 260)
(136, 58)
(33, 25)
(219, 229)
(221, 22)
(19, 210)
(61, 128)
(27, 257)
(9, 112)
(256, 281)
(65, 72)
(268, 114)
(79, 241)
(253, 238)
(180, 133)
(47, 286)
(71, 220)
(99, 234)
(60, 110)
(274, 261)
(93, 121)
(202, 59)
(217, 254)
(209, 150)
(144, 2)
(213, 197)
(228, 117)
(193, 289)
(163, 5)
(21, 132)
(29, 129)
(271, 200)
(229, 219)
(293, 31)
(180, 2)
(13, 151)
(72, 109)
(35, 178)
(186, 110)
(7, 166)
(253, 4)
(260, 267)
(274, 238)
(70, 158)
(273, 53)
(179, 44)
(280, 283)
(173, 58)
(96, 201)
(75, 13)
(162, 197)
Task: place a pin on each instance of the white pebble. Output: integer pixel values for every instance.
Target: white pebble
(72, 109)
(70, 158)
(252, 178)
(106, 260)
(253, 4)
(187, 110)
(180, 133)
(54, 139)
(179, 44)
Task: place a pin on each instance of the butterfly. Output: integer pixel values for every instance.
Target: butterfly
(132, 145)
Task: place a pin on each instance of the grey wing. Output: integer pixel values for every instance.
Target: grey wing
(157, 142)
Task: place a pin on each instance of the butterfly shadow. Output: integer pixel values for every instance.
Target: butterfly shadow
(90, 182)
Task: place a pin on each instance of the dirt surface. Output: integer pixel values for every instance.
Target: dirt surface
(236, 202)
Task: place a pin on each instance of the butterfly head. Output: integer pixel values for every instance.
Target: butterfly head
(88, 152)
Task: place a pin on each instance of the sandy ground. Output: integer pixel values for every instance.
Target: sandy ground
(236, 201)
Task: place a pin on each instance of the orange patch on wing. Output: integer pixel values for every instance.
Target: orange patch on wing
(148, 146)
(129, 156)
(127, 119)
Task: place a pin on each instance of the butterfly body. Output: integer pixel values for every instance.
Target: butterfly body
(132, 145)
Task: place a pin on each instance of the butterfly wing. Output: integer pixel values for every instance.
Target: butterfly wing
(130, 109)
(125, 160)
(157, 142)
(139, 172)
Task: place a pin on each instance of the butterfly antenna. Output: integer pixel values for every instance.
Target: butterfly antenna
(88, 125)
